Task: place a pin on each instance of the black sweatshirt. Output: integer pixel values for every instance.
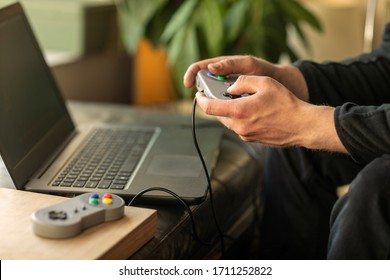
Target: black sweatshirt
(359, 88)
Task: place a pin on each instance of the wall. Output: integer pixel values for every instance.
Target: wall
(343, 22)
(66, 25)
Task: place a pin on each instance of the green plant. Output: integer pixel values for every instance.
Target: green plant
(195, 29)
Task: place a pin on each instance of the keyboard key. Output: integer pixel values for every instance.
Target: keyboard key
(79, 184)
(105, 184)
(91, 184)
(117, 186)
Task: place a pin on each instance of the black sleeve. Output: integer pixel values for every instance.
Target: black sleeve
(360, 89)
(364, 130)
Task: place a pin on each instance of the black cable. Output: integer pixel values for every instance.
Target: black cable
(186, 206)
(221, 235)
(209, 190)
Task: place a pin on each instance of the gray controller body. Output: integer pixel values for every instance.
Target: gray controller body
(69, 218)
(214, 86)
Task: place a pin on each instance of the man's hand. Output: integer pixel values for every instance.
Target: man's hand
(287, 75)
(276, 113)
(273, 115)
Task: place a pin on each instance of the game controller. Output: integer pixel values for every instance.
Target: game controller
(69, 218)
(215, 86)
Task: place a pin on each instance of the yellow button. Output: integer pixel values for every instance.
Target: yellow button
(107, 200)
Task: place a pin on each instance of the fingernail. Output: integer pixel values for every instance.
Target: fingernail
(216, 65)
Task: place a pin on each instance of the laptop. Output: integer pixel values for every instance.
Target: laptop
(45, 152)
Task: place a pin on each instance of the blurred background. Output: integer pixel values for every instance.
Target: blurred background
(136, 52)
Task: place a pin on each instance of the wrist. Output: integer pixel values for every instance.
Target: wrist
(318, 130)
(292, 78)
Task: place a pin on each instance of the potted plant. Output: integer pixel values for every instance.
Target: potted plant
(190, 30)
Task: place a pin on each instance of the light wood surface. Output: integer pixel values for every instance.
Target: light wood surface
(111, 240)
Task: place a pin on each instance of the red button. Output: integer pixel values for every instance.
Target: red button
(107, 195)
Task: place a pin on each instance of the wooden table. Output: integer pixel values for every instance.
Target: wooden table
(112, 240)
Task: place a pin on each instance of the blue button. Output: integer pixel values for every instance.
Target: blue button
(95, 195)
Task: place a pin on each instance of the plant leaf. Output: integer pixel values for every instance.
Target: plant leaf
(302, 36)
(178, 19)
(175, 45)
(211, 21)
(133, 17)
(184, 52)
(235, 20)
(298, 12)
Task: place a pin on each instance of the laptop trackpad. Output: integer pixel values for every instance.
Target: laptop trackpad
(175, 166)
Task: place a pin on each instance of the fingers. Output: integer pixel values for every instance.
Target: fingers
(246, 84)
(233, 65)
(223, 65)
(193, 69)
(213, 107)
(225, 108)
(259, 89)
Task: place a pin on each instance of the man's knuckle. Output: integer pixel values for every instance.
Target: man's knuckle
(207, 108)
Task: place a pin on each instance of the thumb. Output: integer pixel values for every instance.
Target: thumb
(244, 85)
(213, 107)
(232, 65)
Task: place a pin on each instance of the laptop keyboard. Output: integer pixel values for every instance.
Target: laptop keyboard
(106, 161)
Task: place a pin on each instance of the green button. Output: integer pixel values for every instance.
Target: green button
(220, 77)
(93, 201)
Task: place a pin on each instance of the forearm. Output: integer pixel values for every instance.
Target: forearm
(286, 74)
(292, 78)
(360, 131)
(317, 129)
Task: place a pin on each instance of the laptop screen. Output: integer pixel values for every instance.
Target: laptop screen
(33, 118)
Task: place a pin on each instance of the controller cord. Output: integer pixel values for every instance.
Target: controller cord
(221, 235)
(210, 191)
